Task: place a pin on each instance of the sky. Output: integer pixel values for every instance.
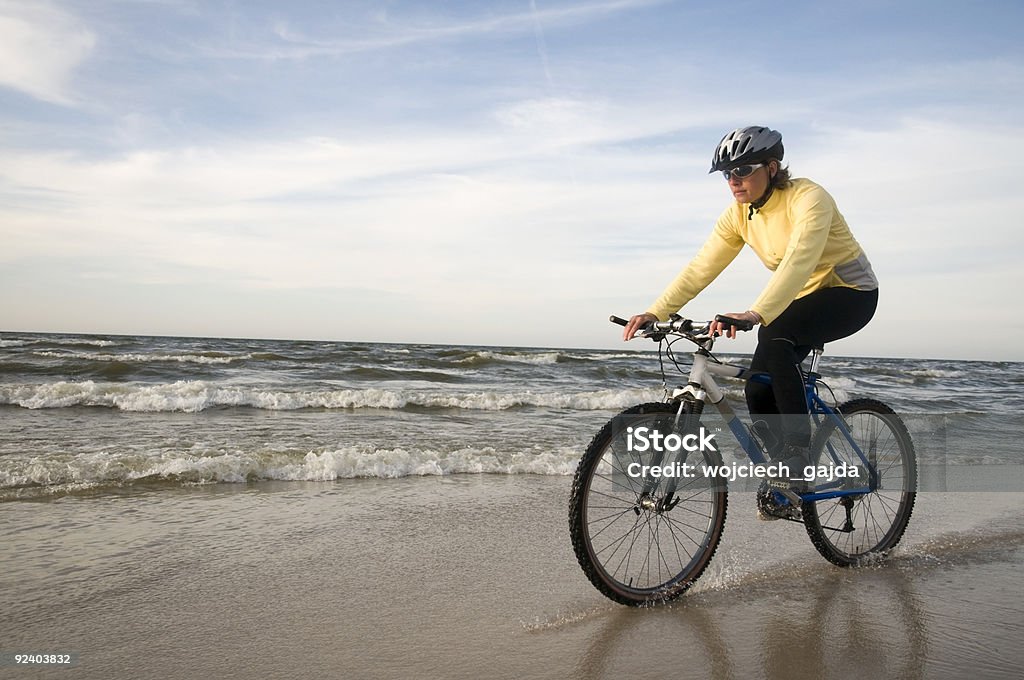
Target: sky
(497, 173)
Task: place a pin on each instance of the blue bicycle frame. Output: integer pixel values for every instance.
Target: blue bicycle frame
(702, 387)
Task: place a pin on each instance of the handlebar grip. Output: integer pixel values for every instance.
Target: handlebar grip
(615, 319)
(738, 324)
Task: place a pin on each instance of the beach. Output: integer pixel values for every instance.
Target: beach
(474, 576)
(313, 356)
(190, 507)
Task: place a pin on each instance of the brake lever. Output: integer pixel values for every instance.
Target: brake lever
(738, 324)
(644, 331)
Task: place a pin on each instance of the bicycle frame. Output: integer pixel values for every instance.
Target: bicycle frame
(640, 542)
(702, 387)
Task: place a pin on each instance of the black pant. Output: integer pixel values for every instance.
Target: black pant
(811, 321)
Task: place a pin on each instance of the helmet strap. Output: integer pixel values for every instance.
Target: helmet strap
(759, 203)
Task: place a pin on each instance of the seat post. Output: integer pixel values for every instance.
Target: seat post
(816, 359)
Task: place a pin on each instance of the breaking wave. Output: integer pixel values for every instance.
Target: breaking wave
(196, 395)
(98, 469)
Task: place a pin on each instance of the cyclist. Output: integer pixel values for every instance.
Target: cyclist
(822, 288)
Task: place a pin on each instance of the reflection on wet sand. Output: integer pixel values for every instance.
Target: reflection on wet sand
(838, 625)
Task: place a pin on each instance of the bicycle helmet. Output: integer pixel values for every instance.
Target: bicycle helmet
(752, 144)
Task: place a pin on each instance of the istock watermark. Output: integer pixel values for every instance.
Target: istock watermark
(949, 453)
(647, 440)
(643, 439)
(732, 471)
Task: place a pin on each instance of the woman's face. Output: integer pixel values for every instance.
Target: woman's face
(749, 189)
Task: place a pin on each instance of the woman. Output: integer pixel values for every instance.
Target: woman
(822, 288)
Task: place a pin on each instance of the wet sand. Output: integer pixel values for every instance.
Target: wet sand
(473, 576)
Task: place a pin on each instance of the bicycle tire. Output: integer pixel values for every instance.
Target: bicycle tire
(610, 517)
(877, 520)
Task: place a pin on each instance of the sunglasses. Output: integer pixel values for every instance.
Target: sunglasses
(742, 171)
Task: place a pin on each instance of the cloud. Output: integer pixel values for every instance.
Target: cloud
(457, 176)
(40, 47)
(483, 206)
(296, 44)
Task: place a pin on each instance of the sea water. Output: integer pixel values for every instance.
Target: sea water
(88, 413)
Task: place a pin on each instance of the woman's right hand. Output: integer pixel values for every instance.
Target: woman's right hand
(635, 323)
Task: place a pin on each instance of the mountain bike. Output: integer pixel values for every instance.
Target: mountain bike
(648, 501)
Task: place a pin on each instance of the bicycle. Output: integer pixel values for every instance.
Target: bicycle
(644, 535)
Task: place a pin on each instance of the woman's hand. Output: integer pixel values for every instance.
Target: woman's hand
(719, 328)
(635, 323)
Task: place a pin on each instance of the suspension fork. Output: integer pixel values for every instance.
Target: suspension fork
(686, 420)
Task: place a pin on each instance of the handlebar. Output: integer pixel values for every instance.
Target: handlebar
(656, 330)
(738, 324)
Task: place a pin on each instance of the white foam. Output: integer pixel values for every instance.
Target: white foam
(93, 343)
(543, 358)
(146, 358)
(935, 373)
(102, 468)
(58, 341)
(354, 462)
(197, 395)
(605, 357)
(841, 387)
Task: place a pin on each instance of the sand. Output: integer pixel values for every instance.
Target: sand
(473, 576)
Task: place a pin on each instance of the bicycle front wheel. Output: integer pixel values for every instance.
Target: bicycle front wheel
(854, 529)
(645, 539)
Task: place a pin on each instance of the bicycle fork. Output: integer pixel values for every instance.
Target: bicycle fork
(658, 494)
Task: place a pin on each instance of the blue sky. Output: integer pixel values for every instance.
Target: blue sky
(492, 173)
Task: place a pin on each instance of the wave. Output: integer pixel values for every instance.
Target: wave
(935, 373)
(203, 358)
(479, 358)
(908, 376)
(637, 356)
(840, 388)
(99, 469)
(60, 342)
(417, 374)
(269, 356)
(534, 357)
(193, 396)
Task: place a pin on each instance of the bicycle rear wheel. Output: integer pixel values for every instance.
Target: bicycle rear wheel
(852, 530)
(640, 539)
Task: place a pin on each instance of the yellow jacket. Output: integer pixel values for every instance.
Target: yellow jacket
(798, 234)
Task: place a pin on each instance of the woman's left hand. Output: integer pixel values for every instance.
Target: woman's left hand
(719, 328)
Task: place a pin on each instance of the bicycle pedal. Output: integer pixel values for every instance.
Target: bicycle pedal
(773, 514)
(780, 484)
(787, 490)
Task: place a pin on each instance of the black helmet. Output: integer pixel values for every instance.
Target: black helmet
(751, 144)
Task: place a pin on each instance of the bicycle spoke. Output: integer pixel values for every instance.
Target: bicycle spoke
(879, 517)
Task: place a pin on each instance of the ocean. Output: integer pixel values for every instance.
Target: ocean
(88, 413)
(199, 507)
